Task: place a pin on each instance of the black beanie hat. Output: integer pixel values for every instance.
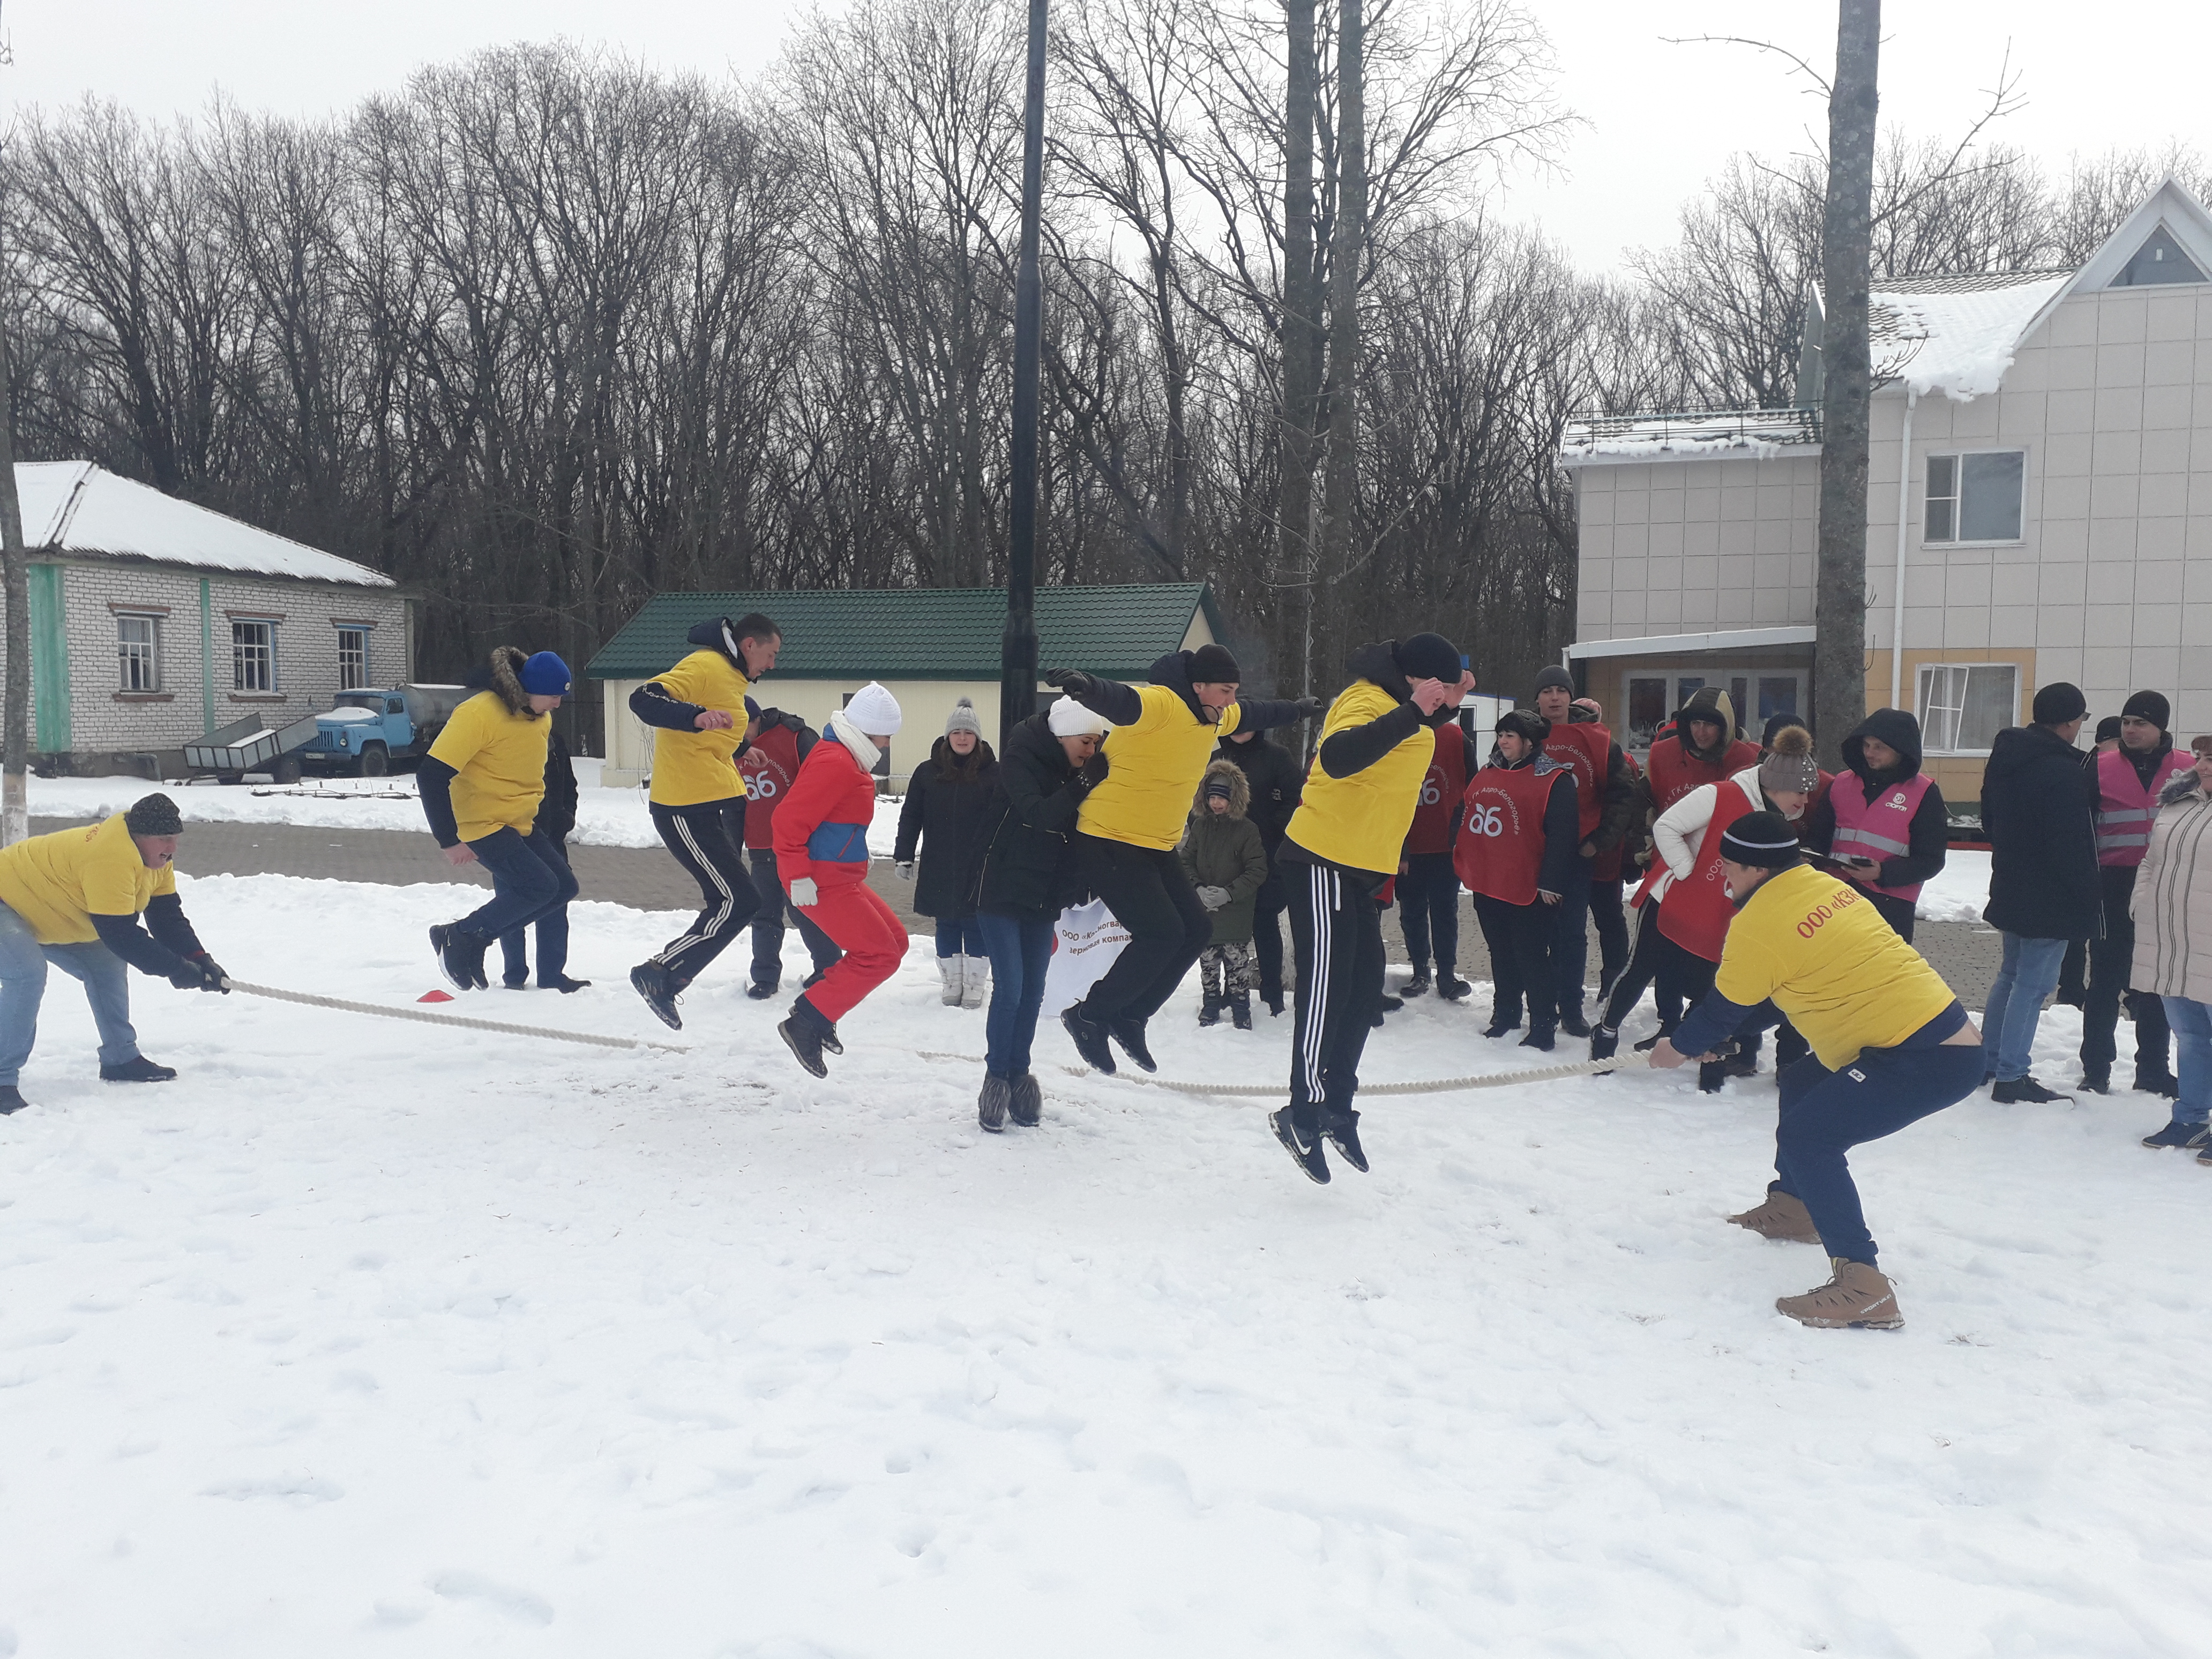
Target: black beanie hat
(1533, 726)
(1555, 676)
(2108, 729)
(154, 815)
(2059, 703)
(1428, 657)
(1761, 840)
(1211, 665)
(2147, 706)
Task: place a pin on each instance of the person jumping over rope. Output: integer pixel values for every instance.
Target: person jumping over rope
(1891, 1045)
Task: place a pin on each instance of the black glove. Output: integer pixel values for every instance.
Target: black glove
(214, 973)
(1092, 772)
(1074, 681)
(189, 976)
(1311, 708)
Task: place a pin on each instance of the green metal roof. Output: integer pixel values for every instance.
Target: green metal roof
(922, 633)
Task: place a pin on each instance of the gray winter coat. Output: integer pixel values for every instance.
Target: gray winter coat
(2173, 903)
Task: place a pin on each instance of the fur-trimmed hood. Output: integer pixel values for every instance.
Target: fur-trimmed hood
(503, 673)
(1240, 789)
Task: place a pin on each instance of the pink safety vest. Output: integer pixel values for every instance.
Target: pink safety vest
(1880, 828)
(2125, 808)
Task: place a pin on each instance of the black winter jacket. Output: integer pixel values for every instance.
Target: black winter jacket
(1278, 783)
(557, 813)
(946, 801)
(1931, 835)
(2039, 809)
(1024, 862)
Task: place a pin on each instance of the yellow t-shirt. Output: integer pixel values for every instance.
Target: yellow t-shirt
(1153, 766)
(691, 767)
(501, 758)
(1815, 944)
(59, 883)
(1361, 820)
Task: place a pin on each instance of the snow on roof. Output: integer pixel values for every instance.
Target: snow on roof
(1735, 435)
(77, 508)
(1955, 335)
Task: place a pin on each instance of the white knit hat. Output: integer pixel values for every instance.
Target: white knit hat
(1070, 719)
(874, 712)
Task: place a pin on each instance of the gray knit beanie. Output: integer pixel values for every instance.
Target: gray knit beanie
(962, 718)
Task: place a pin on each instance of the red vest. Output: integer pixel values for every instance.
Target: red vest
(1695, 911)
(1586, 749)
(1676, 771)
(1878, 829)
(2125, 808)
(767, 768)
(1500, 849)
(1433, 817)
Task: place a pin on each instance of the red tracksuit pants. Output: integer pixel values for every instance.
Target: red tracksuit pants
(869, 932)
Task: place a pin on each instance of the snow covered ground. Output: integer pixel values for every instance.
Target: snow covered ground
(369, 1338)
(1959, 891)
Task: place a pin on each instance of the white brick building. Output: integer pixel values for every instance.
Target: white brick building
(154, 621)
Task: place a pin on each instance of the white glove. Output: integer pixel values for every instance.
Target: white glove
(905, 871)
(803, 893)
(1213, 897)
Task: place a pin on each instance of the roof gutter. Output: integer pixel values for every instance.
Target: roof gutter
(1904, 506)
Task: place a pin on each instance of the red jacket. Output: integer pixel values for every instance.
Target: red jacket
(822, 827)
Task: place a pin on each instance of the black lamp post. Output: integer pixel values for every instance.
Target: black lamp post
(1017, 645)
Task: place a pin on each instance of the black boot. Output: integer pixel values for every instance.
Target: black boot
(1343, 1129)
(1450, 986)
(991, 1106)
(1240, 1010)
(1604, 1044)
(1209, 1011)
(659, 989)
(138, 1069)
(1027, 1103)
(1130, 1034)
(1419, 985)
(1306, 1154)
(566, 986)
(759, 993)
(460, 956)
(2158, 1083)
(1273, 999)
(803, 1034)
(11, 1101)
(1090, 1038)
(1711, 1074)
(1539, 1037)
(1501, 1022)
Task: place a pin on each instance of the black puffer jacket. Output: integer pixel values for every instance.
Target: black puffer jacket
(1276, 781)
(1024, 864)
(557, 813)
(1930, 836)
(945, 803)
(2039, 809)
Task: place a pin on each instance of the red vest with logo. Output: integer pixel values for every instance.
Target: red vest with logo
(1695, 911)
(1437, 809)
(1676, 771)
(1500, 849)
(1585, 748)
(767, 768)
(1878, 829)
(2125, 808)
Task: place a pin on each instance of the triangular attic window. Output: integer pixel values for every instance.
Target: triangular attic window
(2158, 260)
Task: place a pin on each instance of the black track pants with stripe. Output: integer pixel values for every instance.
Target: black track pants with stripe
(709, 841)
(1336, 937)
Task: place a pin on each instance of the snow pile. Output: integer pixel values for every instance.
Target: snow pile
(1958, 344)
(1757, 435)
(365, 1338)
(349, 712)
(1959, 891)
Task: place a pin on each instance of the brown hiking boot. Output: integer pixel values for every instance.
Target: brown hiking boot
(1783, 1216)
(1858, 1298)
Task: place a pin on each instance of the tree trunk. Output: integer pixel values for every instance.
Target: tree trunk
(1340, 475)
(15, 594)
(1846, 238)
(1300, 319)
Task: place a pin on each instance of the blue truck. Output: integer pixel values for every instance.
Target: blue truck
(367, 729)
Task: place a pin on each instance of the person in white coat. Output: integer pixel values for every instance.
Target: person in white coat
(2172, 911)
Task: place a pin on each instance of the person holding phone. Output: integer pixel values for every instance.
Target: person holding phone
(1882, 823)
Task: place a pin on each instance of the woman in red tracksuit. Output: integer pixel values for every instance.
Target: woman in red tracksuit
(821, 854)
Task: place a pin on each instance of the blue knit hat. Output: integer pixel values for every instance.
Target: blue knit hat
(545, 676)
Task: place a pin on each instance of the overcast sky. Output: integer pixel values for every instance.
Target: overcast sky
(1661, 119)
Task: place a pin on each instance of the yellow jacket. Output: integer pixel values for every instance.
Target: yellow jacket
(498, 756)
(1153, 765)
(691, 767)
(58, 883)
(1361, 820)
(1816, 945)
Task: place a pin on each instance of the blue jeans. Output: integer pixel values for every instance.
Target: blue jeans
(1571, 944)
(961, 936)
(2029, 974)
(1825, 1114)
(2191, 1022)
(552, 943)
(529, 877)
(1020, 949)
(23, 985)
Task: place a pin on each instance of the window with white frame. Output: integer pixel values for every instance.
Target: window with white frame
(139, 651)
(1963, 706)
(1976, 497)
(353, 658)
(253, 655)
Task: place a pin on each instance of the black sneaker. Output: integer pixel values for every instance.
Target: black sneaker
(804, 1039)
(140, 1070)
(1027, 1106)
(991, 1105)
(1539, 1037)
(1090, 1038)
(460, 956)
(759, 993)
(2095, 1083)
(11, 1102)
(1451, 989)
(1604, 1044)
(658, 986)
(2025, 1092)
(1309, 1157)
(567, 987)
(1574, 1025)
(1130, 1034)
(2182, 1135)
(2159, 1082)
(1419, 985)
(1343, 1130)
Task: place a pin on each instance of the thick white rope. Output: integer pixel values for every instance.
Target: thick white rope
(1279, 1091)
(382, 1010)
